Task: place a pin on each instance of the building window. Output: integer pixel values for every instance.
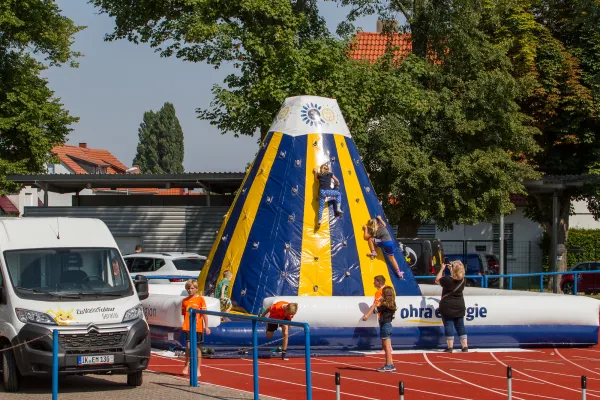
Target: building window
(51, 168)
(508, 238)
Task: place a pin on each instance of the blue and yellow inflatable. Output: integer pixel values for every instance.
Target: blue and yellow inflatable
(269, 239)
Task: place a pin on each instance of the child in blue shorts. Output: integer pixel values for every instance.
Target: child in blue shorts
(386, 310)
(376, 233)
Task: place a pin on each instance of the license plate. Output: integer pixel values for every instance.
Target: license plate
(90, 360)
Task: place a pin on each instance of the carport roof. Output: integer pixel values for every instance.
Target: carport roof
(215, 182)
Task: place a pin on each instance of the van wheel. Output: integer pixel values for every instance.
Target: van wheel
(10, 372)
(135, 379)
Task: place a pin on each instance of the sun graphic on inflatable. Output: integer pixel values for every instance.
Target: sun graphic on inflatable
(328, 115)
(311, 114)
(283, 113)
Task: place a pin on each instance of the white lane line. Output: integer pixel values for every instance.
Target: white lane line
(534, 395)
(494, 376)
(464, 381)
(359, 380)
(397, 373)
(538, 379)
(521, 359)
(288, 382)
(575, 364)
(558, 373)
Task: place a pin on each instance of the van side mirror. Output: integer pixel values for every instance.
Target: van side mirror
(141, 286)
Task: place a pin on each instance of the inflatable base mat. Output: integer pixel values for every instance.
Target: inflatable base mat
(236, 335)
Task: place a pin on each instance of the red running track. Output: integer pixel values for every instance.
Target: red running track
(551, 374)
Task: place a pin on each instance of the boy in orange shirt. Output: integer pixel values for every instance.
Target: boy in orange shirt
(379, 283)
(194, 300)
(281, 310)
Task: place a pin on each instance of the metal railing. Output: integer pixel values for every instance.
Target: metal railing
(485, 278)
(255, 320)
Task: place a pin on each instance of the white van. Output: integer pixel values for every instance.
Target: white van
(67, 274)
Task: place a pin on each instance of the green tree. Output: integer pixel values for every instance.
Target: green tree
(160, 149)
(34, 36)
(460, 113)
(555, 52)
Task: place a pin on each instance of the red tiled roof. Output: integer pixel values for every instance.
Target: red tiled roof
(69, 155)
(7, 206)
(372, 45)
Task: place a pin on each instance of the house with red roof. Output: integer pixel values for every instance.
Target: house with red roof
(522, 235)
(78, 159)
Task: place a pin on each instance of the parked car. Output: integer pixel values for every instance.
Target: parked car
(587, 283)
(424, 256)
(474, 266)
(148, 264)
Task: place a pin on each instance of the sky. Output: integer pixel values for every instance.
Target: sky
(116, 82)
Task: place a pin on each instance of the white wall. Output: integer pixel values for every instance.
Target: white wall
(582, 219)
(527, 235)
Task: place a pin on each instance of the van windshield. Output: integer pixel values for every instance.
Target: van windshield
(59, 274)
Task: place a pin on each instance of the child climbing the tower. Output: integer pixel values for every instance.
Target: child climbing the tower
(281, 310)
(325, 178)
(222, 291)
(376, 233)
(386, 310)
(194, 300)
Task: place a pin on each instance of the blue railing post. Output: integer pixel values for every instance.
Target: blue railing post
(510, 282)
(193, 349)
(541, 283)
(575, 279)
(307, 355)
(485, 281)
(255, 357)
(55, 364)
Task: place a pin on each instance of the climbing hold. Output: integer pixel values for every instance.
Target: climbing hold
(269, 199)
(282, 154)
(287, 246)
(255, 245)
(298, 163)
(348, 273)
(243, 292)
(349, 172)
(358, 200)
(315, 143)
(295, 189)
(291, 218)
(316, 258)
(345, 243)
(316, 288)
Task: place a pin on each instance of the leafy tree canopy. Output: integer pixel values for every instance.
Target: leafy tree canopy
(32, 120)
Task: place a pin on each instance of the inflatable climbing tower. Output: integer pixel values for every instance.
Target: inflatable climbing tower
(270, 240)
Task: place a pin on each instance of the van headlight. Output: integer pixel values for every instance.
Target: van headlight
(133, 313)
(26, 316)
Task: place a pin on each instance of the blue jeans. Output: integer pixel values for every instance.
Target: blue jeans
(328, 193)
(455, 323)
(385, 330)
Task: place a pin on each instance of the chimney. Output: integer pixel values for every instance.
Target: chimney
(387, 25)
(83, 145)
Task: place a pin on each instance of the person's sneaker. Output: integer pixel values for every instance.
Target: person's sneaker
(277, 350)
(387, 368)
(465, 349)
(284, 356)
(448, 350)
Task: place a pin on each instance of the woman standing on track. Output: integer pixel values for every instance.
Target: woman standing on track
(452, 303)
